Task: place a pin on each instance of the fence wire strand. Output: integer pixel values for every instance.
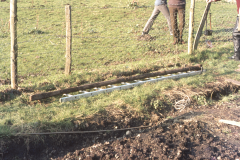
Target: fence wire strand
(101, 34)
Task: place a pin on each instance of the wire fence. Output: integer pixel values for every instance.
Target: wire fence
(106, 44)
(104, 37)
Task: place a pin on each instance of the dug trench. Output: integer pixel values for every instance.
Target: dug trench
(193, 132)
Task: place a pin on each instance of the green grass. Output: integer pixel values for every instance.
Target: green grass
(105, 47)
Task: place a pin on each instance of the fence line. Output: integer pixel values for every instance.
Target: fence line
(96, 40)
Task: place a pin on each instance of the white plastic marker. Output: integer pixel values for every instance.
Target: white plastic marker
(230, 122)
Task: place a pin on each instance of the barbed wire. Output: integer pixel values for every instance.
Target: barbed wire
(97, 37)
(114, 21)
(43, 39)
(4, 58)
(6, 19)
(22, 55)
(105, 47)
(90, 7)
(80, 37)
(86, 7)
(101, 7)
(52, 68)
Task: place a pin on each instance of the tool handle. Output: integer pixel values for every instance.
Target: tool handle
(210, 21)
(238, 21)
(206, 23)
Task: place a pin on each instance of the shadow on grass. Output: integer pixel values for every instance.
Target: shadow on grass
(223, 30)
(210, 55)
(9, 94)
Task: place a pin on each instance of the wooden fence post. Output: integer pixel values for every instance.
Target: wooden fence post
(191, 27)
(68, 40)
(14, 45)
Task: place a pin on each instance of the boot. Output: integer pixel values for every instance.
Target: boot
(144, 33)
(175, 40)
(236, 42)
(235, 57)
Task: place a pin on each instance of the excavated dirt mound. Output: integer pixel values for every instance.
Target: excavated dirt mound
(193, 132)
(189, 140)
(188, 134)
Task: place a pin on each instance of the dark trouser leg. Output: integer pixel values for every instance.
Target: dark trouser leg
(236, 40)
(173, 18)
(181, 14)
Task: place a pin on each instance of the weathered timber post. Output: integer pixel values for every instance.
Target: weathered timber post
(201, 25)
(191, 27)
(14, 46)
(68, 40)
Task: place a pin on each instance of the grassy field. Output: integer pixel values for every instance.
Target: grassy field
(105, 47)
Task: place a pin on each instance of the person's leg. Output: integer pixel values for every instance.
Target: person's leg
(236, 41)
(164, 9)
(151, 20)
(173, 18)
(181, 14)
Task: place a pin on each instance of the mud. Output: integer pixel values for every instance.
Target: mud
(192, 133)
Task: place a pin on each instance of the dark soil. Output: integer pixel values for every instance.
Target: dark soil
(193, 133)
(145, 37)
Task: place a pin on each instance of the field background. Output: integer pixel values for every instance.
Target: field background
(105, 47)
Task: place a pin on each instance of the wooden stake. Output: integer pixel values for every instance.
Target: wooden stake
(191, 27)
(14, 46)
(201, 25)
(68, 40)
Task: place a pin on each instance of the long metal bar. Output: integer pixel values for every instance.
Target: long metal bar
(127, 86)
